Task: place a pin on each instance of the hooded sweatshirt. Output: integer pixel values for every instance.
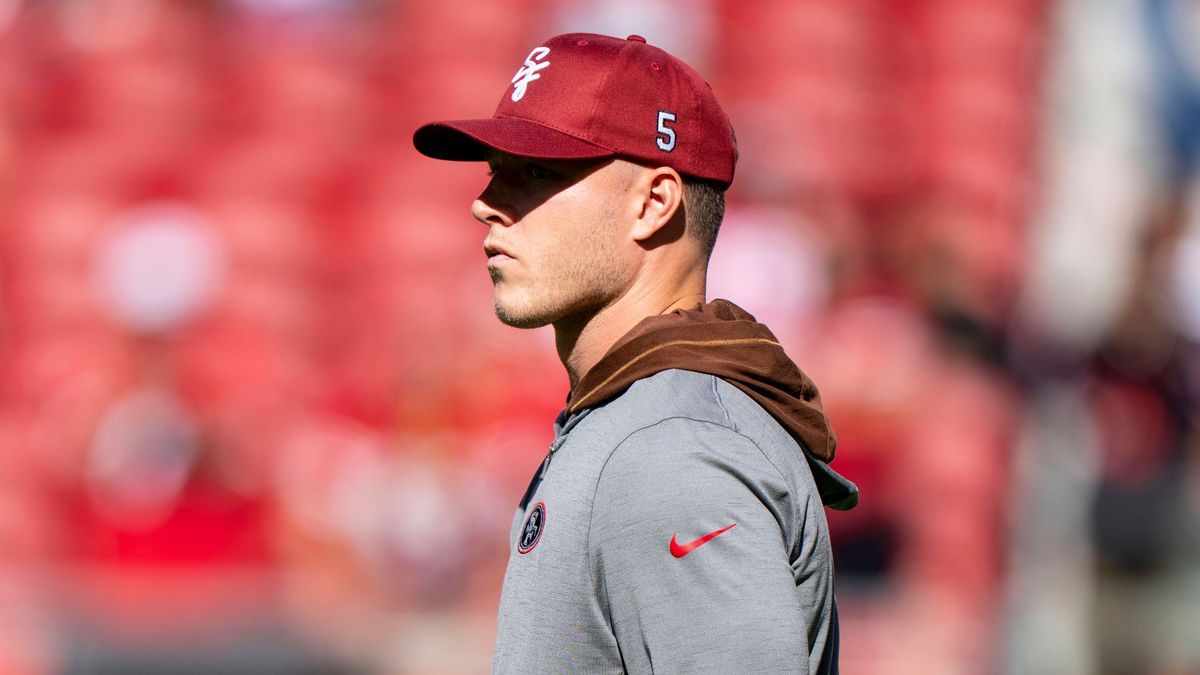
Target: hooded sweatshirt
(677, 523)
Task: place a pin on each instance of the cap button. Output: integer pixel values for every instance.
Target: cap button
(636, 38)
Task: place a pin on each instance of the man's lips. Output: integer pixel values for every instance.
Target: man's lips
(496, 253)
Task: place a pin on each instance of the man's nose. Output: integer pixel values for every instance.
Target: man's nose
(487, 209)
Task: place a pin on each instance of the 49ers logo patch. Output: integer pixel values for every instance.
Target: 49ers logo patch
(531, 532)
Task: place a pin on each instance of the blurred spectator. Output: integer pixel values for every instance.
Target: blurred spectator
(1104, 576)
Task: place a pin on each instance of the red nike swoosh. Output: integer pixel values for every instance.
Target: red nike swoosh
(679, 550)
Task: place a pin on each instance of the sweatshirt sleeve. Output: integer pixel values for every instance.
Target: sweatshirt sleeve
(690, 549)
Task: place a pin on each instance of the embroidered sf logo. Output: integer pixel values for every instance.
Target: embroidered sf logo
(530, 71)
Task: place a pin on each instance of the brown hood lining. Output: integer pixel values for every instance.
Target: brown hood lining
(725, 341)
(675, 343)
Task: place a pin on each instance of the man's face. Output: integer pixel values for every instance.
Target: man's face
(554, 243)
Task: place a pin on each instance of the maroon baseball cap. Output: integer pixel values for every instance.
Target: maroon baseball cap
(581, 95)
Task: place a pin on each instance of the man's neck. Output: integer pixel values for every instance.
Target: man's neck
(582, 342)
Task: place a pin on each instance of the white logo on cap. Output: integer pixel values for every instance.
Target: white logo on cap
(529, 72)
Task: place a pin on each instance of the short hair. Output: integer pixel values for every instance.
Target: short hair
(704, 208)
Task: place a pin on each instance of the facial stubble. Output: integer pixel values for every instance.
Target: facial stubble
(577, 279)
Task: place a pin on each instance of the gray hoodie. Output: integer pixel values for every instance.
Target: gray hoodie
(675, 525)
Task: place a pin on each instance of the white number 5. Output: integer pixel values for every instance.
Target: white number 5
(666, 135)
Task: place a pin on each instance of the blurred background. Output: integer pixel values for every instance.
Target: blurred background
(257, 416)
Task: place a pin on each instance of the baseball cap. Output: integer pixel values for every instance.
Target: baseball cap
(582, 95)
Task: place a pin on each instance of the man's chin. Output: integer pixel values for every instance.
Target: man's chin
(518, 319)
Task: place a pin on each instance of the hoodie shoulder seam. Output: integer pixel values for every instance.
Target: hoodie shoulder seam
(721, 402)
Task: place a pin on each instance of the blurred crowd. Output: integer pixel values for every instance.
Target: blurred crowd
(256, 415)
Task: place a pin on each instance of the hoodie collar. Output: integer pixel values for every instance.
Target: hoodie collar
(724, 340)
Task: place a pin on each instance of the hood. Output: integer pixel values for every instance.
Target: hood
(724, 340)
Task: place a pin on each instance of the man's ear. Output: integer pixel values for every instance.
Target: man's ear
(661, 194)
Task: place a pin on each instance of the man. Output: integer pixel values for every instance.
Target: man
(676, 524)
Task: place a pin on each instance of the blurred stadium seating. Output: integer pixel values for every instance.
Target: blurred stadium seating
(256, 415)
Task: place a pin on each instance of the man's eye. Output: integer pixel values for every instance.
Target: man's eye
(538, 172)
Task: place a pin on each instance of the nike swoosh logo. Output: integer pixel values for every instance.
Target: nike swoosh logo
(679, 550)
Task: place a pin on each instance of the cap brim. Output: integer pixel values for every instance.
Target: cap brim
(467, 140)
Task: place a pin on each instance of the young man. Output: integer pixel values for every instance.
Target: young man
(676, 524)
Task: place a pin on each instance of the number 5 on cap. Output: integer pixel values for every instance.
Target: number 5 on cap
(666, 134)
